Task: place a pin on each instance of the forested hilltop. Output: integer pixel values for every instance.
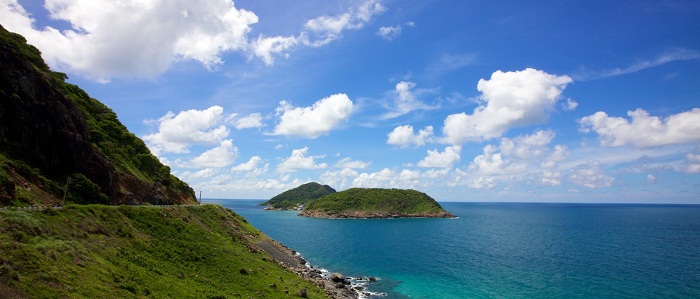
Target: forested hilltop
(297, 198)
(53, 135)
(376, 203)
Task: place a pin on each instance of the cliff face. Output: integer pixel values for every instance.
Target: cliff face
(52, 132)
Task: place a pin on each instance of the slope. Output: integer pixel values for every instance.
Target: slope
(53, 135)
(96, 251)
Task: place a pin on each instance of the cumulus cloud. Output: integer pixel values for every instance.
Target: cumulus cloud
(446, 158)
(387, 178)
(252, 167)
(404, 136)
(316, 120)
(340, 178)
(253, 120)
(114, 39)
(644, 130)
(405, 101)
(177, 132)
(223, 155)
(352, 164)
(509, 99)
(299, 160)
(590, 175)
(527, 157)
(391, 32)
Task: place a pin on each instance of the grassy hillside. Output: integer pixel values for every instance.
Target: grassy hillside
(369, 202)
(99, 251)
(301, 195)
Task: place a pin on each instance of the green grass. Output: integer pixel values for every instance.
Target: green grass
(377, 200)
(99, 251)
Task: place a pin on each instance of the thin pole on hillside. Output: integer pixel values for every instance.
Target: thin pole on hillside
(200, 197)
(63, 202)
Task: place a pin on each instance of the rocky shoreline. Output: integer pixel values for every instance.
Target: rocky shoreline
(371, 215)
(335, 285)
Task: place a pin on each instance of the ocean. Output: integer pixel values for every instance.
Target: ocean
(505, 250)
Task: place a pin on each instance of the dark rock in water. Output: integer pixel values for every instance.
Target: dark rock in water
(337, 277)
(372, 279)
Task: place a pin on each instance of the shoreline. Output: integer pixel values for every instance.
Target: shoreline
(335, 285)
(371, 215)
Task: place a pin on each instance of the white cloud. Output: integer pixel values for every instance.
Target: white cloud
(529, 146)
(667, 57)
(177, 132)
(116, 39)
(265, 47)
(391, 32)
(527, 157)
(251, 168)
(223, 155)
(311, 122)
(510, 99)
(482, 183)
(352, 164)
(489, 163)
(692, 163)
(644, 130)
(329, 28)
(569, 105)
(253, 120)
(550, 178)
(299, 160)
(441, 159)
(404, 136)
(590, 175)
(405, 101)
(387, 178)
(339, 179)
(651, 179)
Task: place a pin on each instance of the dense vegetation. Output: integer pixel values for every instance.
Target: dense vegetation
(301, 195)
(52, 132)
(96, 251)
(383, 202)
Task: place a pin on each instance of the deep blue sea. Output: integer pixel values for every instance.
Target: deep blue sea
(505, 250)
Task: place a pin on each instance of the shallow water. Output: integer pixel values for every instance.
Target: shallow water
(505, 250)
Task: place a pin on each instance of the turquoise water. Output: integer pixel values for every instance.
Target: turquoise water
(505, 250)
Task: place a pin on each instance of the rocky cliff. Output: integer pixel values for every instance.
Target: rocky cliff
(53, 135)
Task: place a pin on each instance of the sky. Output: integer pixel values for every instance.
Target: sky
(522, 101)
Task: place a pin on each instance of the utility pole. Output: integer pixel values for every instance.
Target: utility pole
(200, 197)
(63, 203)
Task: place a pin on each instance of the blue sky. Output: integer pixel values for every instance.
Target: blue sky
(568, 101)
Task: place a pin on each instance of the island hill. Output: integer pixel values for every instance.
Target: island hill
(371, 203)
(297, 198)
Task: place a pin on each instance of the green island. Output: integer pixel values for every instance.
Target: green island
(86, 211)
(297, 198)
(376, 203)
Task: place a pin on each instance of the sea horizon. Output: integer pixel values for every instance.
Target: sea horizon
(513, 250)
